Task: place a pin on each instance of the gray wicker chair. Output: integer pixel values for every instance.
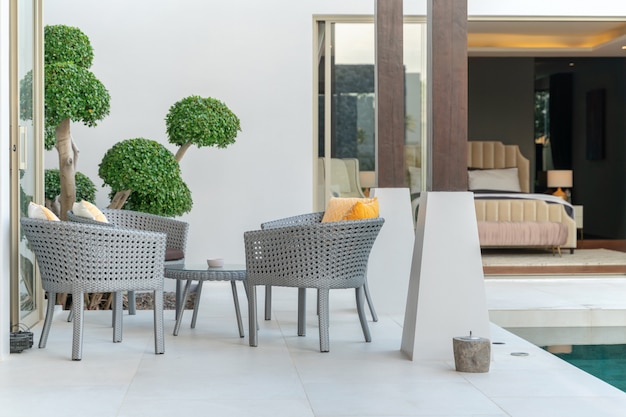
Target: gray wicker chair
(79, 258)
(317, 255)
(176, 231)
(305, 219)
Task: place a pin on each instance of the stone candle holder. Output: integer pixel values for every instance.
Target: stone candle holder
(471, 353)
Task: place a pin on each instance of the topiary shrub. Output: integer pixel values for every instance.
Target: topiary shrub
(152, 173)
(200, 121)
(85, 188)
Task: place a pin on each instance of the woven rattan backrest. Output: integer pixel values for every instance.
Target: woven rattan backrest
(95, 258)
(315, 255)
(176, 230)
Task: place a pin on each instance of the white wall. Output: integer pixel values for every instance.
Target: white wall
(254, 56)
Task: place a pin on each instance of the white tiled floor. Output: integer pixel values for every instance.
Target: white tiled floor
(210, 371)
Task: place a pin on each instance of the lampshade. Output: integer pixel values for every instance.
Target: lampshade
(367, 179)
(560, 178)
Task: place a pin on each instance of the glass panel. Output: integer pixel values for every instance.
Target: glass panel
(352, 109)
(415, 105)
(26, 294)
(346, 145)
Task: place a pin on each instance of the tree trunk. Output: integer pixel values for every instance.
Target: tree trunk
(181, 151)
(119, 199)
(67, 167)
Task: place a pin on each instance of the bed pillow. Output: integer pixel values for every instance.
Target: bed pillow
(505, 179)
(89, 211)
(37, 211)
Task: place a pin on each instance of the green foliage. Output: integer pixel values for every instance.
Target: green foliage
(67, 44)
(150, 170)
(85, 188)
(173, 200)
(201, 121)
(24, 199)
(26, 96)
(73, 92)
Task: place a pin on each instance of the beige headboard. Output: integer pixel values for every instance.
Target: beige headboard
(493, 154)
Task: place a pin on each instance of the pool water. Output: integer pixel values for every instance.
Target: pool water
(599, 351)
(607, 362)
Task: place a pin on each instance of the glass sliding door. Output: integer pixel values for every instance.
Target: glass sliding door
(346, 139)
(346, 135)
(26, 153)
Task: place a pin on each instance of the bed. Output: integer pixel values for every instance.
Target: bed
(508, 214)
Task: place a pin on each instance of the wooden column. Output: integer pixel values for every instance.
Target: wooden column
(447, 94)
(390, 93)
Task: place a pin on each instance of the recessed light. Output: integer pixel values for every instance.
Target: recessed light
(623, 46)
(571, 64)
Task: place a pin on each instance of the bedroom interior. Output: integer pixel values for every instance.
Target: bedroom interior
(583, 134)
(501, 108)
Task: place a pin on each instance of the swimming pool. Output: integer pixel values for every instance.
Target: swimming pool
(599, 351)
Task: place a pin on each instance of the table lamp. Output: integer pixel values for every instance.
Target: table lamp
(560, 178)
(367, 180)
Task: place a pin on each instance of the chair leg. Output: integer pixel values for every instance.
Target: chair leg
(118, 307)
(252, 328)
(159, 336)
(245, 288)
(302, 311)
(132, 303)
(268, 302)
(323, 307)
(370, 303)
(43, 339)
(237, 311)
(361, 310)
(78, 304)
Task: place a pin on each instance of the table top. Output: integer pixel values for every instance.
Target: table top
(203, 272)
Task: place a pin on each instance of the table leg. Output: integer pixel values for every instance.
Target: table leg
(236, 299)
(196, 304)
(179, 296)
(179, 317)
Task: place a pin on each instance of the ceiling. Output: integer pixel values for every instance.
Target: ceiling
(547, 38)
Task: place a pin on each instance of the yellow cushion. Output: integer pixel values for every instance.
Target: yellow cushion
(338, 207)
(89, 211)
(363, 210)
(37, 211)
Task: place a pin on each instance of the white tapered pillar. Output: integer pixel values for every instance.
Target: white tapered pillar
(446, 295)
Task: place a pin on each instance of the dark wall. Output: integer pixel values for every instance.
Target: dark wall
(500, 103)
(600, 184)
(501, 108)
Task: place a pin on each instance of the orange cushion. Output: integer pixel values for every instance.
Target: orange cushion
(339, 207)
(89, 211)
(363, 210)
(37, 211)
